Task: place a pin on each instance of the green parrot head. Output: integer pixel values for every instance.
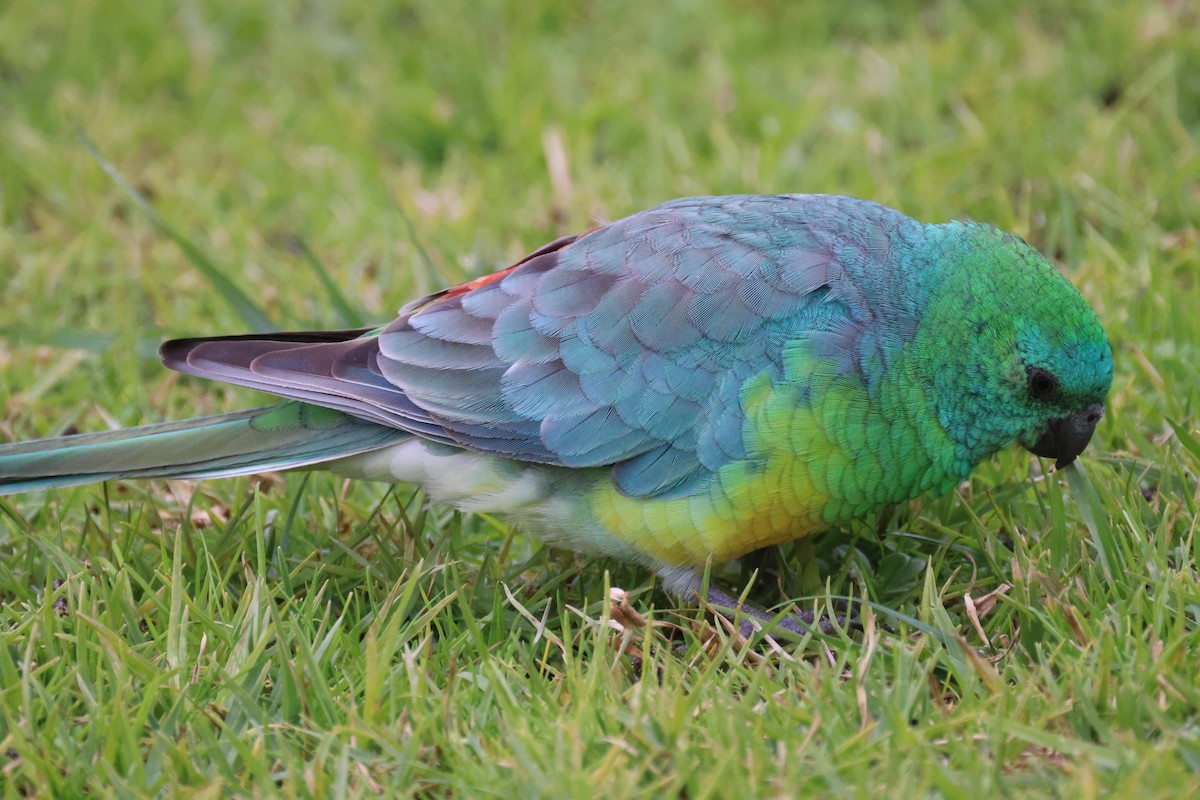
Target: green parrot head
(1066, 380)
(1026, 358)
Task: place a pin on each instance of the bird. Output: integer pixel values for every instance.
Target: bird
(675, 389)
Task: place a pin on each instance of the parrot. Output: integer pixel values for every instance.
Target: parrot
(675, 389)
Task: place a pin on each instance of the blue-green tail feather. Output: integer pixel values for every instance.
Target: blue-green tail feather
(283, 436)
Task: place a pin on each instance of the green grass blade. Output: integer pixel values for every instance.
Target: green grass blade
(348, 315)
(252, 314)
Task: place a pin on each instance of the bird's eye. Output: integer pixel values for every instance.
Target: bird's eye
(1042, 385)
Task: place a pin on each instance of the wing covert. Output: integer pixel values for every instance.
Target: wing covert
(628, 347)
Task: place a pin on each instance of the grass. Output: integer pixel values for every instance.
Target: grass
(309, 638)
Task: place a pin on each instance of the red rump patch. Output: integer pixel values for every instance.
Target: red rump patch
(463, 288)
(470, 286)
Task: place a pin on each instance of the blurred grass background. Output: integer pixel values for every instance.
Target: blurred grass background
(313, 639)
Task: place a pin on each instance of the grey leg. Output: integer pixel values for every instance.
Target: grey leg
(799, 623)
(685, 584)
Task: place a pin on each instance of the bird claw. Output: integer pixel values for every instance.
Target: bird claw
(751, 619)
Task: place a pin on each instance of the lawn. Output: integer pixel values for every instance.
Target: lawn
(308, 637)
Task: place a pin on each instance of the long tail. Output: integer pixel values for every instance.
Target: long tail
(290, 434)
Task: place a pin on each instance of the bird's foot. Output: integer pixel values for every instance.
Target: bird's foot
(750, 618)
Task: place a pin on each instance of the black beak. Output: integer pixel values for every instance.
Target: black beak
(1064, 439)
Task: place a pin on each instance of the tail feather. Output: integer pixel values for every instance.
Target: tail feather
(283, 436)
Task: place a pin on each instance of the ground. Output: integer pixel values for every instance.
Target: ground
(173, 169)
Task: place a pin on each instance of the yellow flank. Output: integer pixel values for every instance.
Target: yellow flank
(774, 496)
(817, 457)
